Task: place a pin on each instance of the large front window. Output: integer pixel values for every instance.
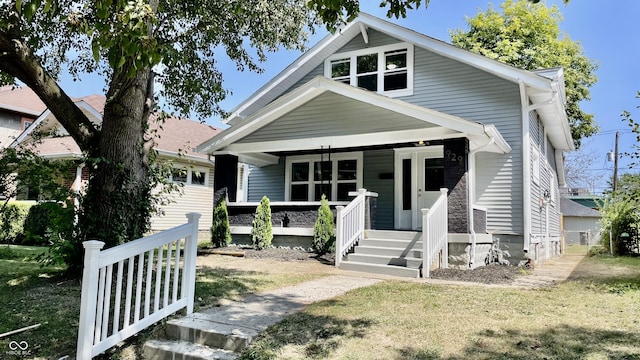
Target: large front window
(308, 178)
(385, 69)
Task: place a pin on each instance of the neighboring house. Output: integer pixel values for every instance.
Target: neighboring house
(382, 107)
(591, 201)
(19, 108)
(175, 140)
(580, 224)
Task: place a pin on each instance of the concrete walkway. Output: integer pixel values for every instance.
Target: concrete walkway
(221, 332)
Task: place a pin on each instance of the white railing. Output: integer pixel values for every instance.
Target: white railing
(350, 224)
(148, 265)
(434, 234)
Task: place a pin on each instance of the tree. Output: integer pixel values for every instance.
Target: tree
(262, 229)
(324, 229)
(577, 165)
(135, 45)
(527, 35)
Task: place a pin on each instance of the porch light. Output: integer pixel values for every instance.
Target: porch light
(391, 66)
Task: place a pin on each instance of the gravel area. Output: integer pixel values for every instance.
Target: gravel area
(492, 274)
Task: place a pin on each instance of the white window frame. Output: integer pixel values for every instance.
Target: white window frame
(190, 170)
(312, 159)
(381, 72)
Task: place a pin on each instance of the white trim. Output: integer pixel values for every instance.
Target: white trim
(319, 85)
(311, 159)
(526, 168)
(190, 169)
(380, 52)
(325, 48)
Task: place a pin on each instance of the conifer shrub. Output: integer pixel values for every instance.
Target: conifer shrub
(220, 230)
(262, 231)
(324, 240)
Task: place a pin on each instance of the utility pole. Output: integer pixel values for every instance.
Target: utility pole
(615, 164)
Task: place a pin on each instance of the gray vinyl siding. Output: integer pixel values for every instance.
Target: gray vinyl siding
(267, 180)
(376, 163)
(333, 115)
(461, 90)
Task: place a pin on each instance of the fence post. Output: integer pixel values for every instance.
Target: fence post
(426, 258)
(86, 327)
(190, 250)
(339, 234)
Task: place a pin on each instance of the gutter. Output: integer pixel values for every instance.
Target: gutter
(526, 168)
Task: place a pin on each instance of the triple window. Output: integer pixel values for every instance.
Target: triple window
(309, 178)
(386, 69)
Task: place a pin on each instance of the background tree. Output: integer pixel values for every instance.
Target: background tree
(527, 35)
(577, 171)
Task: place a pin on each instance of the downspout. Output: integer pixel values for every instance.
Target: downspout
(526, 169)
(471, 194)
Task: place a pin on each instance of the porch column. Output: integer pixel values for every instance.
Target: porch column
(456, 155)
(225, 178)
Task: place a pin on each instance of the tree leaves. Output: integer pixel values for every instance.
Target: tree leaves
(527, 35)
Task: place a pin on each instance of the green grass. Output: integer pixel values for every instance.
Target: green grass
(584, 318)
(31, 294)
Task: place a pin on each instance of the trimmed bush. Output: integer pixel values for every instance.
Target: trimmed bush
(47, 220)
(324, 240)
(262, 231)
(12, 220)
(220, 230)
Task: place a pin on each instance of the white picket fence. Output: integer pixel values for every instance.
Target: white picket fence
(155, 279)
(434, 234)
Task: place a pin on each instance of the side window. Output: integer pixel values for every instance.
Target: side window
(535, 166)
(179, 175)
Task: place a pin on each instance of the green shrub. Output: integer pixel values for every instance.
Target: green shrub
(262, 231)
(47, 219)
(12, 220)
(324, 240)
(220, 230)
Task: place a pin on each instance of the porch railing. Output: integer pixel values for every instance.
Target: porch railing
(434, 234)
(148, 265)
(350, 224)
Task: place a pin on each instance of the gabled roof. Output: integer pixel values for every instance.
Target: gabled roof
(173, 137)
(569, 207)
(485, 137)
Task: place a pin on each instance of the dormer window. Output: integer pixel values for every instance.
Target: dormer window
(386, 69)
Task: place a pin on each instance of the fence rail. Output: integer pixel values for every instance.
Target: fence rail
(350, 224)
(434, 234)
(162, 265)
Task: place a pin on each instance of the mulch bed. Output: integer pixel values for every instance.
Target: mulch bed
(491, 274)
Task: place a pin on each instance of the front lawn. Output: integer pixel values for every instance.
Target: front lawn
(587, 317)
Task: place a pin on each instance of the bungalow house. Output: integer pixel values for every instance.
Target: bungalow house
(380, 107)
(175, 140)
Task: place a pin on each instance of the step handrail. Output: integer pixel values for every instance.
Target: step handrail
(349, 225)
(434, 233)
(153, 263)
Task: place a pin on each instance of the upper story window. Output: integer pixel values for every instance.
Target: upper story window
(386, 69)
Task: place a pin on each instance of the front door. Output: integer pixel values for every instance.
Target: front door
(418, 179)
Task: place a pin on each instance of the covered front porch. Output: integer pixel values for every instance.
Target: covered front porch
(333, 139)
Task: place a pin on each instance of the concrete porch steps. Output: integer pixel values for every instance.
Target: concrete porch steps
(220, 333)
(395, 253)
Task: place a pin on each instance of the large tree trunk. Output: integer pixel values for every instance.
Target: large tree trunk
(117, 205)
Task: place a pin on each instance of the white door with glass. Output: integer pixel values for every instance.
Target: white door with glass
(419, 175)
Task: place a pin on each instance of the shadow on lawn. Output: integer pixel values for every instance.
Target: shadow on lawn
(319, 336)
(213, 284)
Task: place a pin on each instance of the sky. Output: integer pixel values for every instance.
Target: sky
(607, 30)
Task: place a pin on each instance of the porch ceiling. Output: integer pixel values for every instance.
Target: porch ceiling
(325, 113)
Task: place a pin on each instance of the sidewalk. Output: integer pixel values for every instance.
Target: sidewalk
(233, 326)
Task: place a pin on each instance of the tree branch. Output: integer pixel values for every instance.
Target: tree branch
(19, 61)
